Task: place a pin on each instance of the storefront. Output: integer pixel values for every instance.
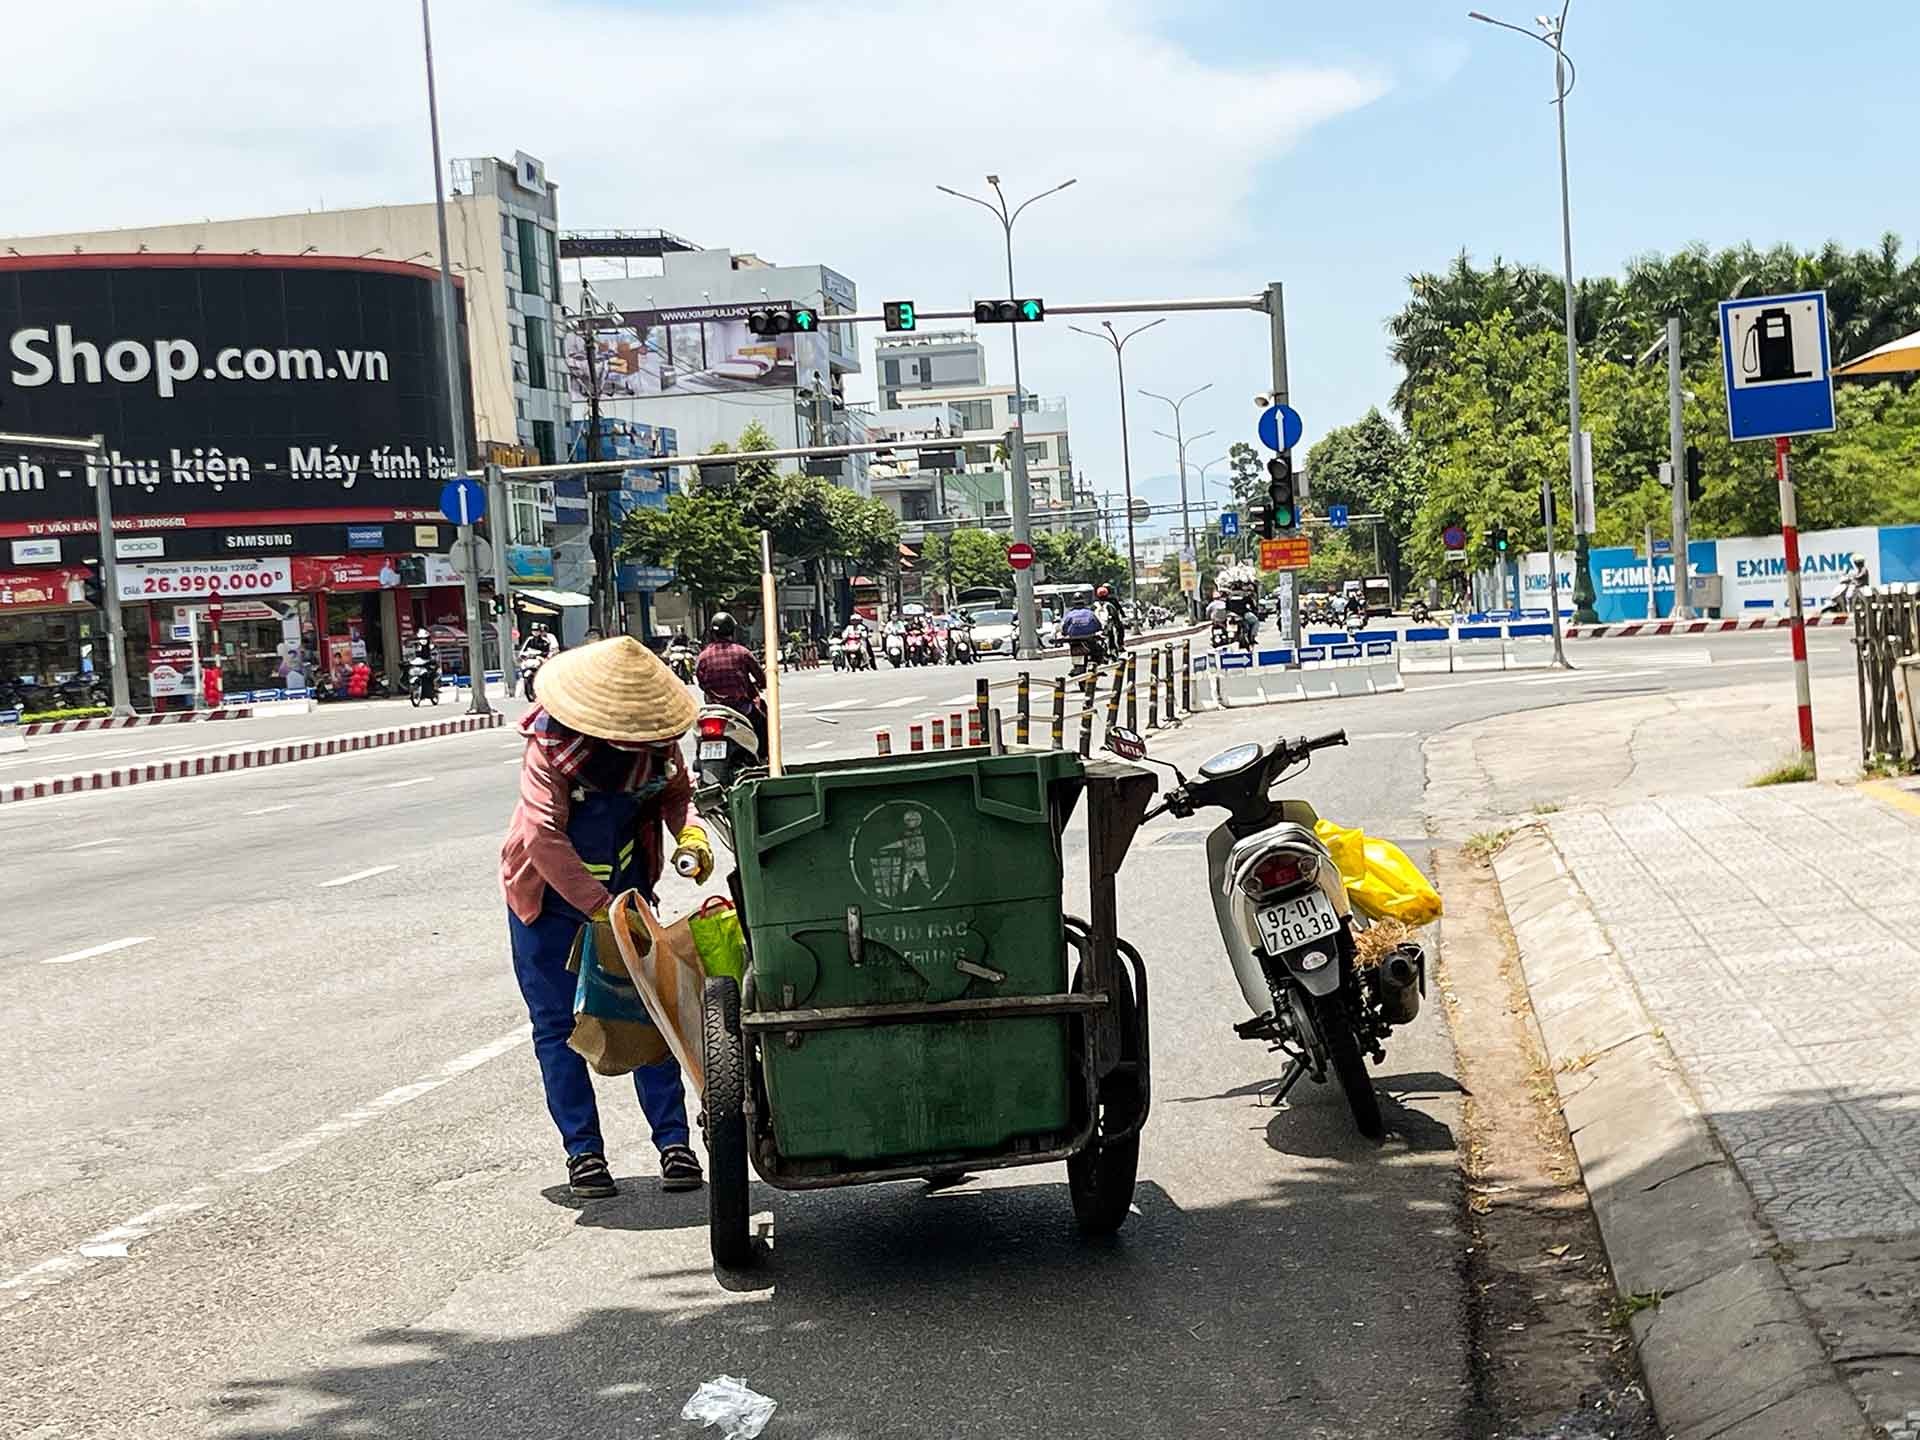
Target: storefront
(275, 464)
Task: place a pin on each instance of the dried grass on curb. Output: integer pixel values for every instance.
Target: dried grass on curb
(1377, 941)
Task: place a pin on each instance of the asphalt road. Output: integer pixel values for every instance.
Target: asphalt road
(273, 1158)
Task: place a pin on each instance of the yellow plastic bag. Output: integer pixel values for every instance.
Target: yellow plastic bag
(1381, 881)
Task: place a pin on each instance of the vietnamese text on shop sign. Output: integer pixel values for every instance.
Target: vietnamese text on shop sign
(207, 465)
(170, 363)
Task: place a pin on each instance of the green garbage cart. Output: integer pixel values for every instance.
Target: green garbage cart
(916, 1003)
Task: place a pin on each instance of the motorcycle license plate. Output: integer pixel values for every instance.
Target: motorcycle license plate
(1296, 922)
(713, 749)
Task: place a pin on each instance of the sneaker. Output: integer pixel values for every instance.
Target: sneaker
(679, 1169)
(588, 1176)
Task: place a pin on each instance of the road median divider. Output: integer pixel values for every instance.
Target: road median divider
(245, 757)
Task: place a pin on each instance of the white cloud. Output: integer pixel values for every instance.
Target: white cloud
(802, 131)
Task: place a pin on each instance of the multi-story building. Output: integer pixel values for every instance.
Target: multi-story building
(921, 360)
(674, 350)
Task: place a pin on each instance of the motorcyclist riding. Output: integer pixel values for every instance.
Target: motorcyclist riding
(540, 646)
(728, 673)
(680, 655)
(1080, 628)
(1113, 617)
(423, 666)
(855, 633)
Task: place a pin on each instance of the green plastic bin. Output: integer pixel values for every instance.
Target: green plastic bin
(954, 865)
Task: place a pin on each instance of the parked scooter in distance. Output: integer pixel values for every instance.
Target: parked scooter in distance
(1288, 925)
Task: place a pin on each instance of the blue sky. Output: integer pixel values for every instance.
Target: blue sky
(1218, 144)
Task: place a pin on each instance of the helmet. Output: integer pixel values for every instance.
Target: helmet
(1102, 593)
(723, 626)
(421, 635)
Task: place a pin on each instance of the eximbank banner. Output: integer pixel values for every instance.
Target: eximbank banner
(1753, 571)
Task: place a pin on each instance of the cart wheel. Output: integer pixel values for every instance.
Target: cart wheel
(723, 1054)
(1100, 1178)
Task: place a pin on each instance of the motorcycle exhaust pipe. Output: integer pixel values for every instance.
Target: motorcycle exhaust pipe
(1397, 981)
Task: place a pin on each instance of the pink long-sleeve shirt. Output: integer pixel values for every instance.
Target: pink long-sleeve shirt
(537, 853)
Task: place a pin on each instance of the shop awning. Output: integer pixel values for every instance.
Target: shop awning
(550, 601)
(1897, 357)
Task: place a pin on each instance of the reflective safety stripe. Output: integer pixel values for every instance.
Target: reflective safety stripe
(599, 872)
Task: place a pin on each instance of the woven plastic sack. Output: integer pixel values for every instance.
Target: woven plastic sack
(716, 935)
(1381, 881)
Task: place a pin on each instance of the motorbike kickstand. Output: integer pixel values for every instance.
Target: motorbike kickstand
(1288, 1078)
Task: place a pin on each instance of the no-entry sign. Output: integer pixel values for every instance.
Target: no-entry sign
(1020, 555)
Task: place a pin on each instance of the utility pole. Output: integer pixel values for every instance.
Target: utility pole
(1677, 459)
(1180, 444)
(1021, 500)
(456, 399)
(110, 578)
(498, 513)
(1119, 343)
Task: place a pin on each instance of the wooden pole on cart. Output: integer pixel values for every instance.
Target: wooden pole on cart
(770, 635)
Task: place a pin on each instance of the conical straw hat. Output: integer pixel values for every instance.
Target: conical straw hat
(616, 690)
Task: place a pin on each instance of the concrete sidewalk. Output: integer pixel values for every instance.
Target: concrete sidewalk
(1750, 959)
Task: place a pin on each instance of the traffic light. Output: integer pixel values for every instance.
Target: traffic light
(95, 593)
(783, 319)
(1497, 538)
(1260, 517)
(899, 315)
(1009, 312)
(1283, 504)
(1696, 468)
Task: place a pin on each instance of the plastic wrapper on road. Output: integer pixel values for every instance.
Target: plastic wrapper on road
(740, 1413)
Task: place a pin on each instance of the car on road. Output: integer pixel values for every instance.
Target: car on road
(994, 631)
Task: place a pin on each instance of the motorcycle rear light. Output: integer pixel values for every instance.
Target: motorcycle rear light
(1279, 872)
(712, 727)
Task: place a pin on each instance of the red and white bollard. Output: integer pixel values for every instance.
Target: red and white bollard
(974, 737)
(939, 734)
(916, 739)
(954, 729)
(883, 742)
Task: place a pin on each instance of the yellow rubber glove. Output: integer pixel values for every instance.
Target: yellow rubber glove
(694, 857)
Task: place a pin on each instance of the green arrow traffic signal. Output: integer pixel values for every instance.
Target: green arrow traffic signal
(804, 320)
(1031, 309)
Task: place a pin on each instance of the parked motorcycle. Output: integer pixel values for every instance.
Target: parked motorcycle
(1289, 928)
(81, 692)
(726, 746)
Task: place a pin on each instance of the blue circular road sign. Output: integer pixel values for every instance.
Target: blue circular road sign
(463, 500)
(1281, 427)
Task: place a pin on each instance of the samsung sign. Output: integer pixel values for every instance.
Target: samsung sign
(233, 390)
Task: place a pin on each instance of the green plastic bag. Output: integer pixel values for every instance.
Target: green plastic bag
(715, 927)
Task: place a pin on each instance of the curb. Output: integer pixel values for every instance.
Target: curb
(124, 722)
(1694, 627)
(255, 758)
(1728, 1352)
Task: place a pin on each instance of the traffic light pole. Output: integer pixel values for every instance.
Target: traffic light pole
(497, 504)
(1677, 456)
(1276, 308)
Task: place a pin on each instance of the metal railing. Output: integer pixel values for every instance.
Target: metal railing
(1071, 707)
(1886, 629)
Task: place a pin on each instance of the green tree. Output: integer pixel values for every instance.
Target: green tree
(966, 560)
(1369, 467)
(1075, 559)
(700, 537)
(1245, 472)
(1336, 559)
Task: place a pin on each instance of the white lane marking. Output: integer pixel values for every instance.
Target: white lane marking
(366, 874)
(113, 1242)
(961, 700)
(403, 784)
(268, 810)
(515, 761)
(89, 844)
(821, 745)
(125, 943)
(903, 700)
(1591, 675)
(837, 705)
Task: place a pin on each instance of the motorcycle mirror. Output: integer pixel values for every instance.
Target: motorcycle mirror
(1127, 744)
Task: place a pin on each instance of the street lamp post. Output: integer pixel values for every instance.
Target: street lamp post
(1217, 460)
(456, 401)
(1119, 343)
(1552, 33)
(1028, 643)
(1186, 516)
